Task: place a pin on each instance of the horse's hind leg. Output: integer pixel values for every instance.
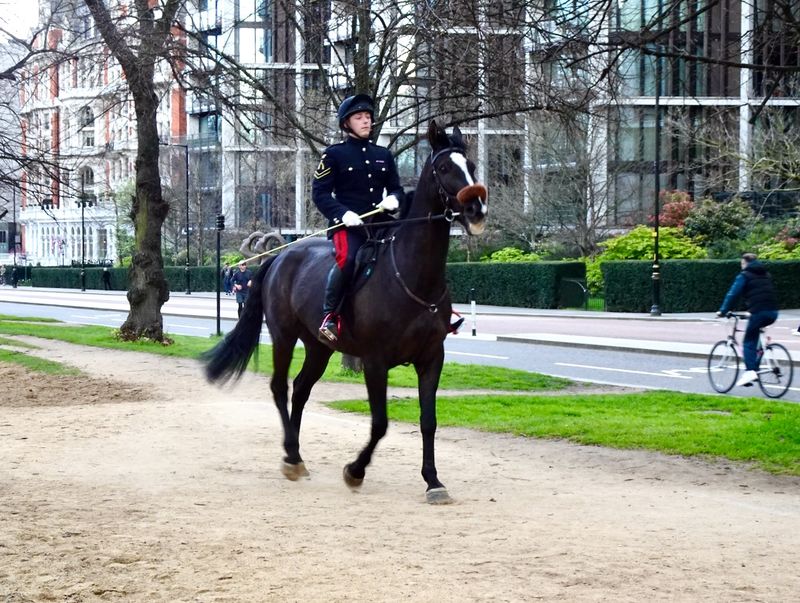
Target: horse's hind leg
(317, 356)
(293, 467)
(376, 379)
(316, 360)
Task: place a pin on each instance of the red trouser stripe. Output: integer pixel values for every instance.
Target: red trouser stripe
(340, 245)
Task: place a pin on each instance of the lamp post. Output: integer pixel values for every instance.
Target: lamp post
(655, 310)
(186, 172)
(82, 203)
(14, 235)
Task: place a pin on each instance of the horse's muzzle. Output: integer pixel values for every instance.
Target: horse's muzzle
(473, 200)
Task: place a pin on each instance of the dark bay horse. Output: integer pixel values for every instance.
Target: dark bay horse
(400, 315)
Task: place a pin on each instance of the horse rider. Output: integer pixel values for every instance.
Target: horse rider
(354, 177)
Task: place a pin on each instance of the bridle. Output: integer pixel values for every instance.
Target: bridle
(446, 196)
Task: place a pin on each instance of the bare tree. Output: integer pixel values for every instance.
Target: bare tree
(139, 45)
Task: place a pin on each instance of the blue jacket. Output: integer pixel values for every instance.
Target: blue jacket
(754, 283)
(353, 175)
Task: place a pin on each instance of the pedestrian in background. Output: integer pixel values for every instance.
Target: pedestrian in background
(106, 279)
(241, 281)
(227, 273)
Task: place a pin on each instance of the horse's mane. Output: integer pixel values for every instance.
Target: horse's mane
(406, 207)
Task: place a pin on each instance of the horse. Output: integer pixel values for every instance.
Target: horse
(400, 315)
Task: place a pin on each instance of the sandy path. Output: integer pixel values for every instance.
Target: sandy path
(147, 484)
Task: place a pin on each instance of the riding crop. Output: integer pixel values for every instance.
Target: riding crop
(313, 234)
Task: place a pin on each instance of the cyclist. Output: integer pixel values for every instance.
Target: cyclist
(755, 284)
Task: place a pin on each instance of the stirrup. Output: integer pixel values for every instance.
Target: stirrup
(329, 328)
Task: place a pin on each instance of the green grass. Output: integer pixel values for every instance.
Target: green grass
(454, 376)
(39, 365)
(763, 432)
(26, 318)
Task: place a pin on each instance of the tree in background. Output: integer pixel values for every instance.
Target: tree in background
(139, 44)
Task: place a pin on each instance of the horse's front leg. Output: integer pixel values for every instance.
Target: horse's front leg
(428, 373)
(375, 375)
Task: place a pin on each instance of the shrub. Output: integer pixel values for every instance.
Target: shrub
(510, 254)
(713, 221)
(677, 205)
(638, 244)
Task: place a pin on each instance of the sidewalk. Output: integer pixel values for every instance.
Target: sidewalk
(690, 334)
(682, 334)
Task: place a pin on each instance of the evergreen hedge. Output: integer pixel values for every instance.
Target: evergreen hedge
(688, 285)
(521, 284)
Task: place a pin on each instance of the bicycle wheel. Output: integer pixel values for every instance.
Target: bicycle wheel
(723, 366)
(775, 374)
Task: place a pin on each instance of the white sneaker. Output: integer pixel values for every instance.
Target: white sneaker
(796, 332)
(747, 378)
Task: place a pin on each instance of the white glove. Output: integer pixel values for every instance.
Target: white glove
(350, 218)
(390, 203)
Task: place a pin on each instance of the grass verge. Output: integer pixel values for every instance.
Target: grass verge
(763, 432)
(454, 376)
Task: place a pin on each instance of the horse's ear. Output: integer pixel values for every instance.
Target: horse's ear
(436, 136)
(457, 139)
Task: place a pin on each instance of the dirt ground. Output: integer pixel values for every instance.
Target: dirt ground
(141, 482)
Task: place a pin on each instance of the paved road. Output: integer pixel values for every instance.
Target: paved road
(622, 349)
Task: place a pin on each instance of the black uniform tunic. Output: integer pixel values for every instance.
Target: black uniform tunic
(353, 175)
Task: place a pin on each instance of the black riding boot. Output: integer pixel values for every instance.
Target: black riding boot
(334, 290)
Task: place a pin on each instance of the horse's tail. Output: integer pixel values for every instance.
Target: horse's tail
(229, 358)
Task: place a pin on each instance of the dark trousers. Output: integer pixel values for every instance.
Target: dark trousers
(756, 322)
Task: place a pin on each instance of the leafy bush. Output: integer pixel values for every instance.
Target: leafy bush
(510, 254)
(714, 221)
(638, 244)
(677, 205)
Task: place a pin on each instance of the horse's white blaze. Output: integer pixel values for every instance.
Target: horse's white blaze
(461, 162)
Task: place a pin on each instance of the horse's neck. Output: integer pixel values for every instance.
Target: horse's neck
(422, 246)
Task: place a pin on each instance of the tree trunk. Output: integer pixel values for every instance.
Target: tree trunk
(352, 363)
(147, 287)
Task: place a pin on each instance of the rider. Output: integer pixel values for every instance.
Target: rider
(354, 177)
(755, 284)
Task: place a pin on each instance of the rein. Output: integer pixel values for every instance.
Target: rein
(433, 308)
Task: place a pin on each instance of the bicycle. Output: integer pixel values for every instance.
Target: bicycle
(775, 370)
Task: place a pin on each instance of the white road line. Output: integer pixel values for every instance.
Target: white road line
(617, 370)
(477, 355)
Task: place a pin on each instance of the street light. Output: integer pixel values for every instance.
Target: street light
(655, 310)
(82, 202)
(14, 235)
(186, 171)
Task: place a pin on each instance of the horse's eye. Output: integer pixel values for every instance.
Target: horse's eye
(444, 168)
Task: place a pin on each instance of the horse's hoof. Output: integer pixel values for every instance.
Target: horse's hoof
(350, 479)
(438, 496)
(294, 471)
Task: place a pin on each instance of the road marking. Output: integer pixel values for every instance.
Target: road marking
(618, 370)
(477, 355)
